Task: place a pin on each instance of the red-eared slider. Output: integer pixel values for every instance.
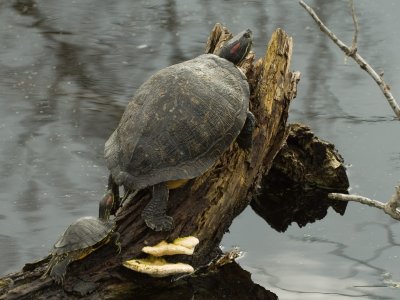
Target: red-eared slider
(178, 124)
(81, 238)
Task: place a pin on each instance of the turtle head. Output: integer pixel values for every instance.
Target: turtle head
(236, 49)
(105, 206)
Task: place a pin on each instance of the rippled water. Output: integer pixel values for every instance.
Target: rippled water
(68, 69)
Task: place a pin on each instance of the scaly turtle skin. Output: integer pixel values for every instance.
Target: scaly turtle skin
(178, 124)
(81, 238)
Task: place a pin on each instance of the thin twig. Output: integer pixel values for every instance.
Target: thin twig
(356, 28)
(391, 207)
(354, 54)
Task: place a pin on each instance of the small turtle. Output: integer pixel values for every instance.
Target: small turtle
(81, 238)
(178, 124)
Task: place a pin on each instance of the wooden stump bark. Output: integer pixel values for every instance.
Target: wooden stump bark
(205, 207)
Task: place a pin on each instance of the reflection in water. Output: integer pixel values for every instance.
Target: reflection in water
(173, 27)
(320, 73)
(26, 7)
(275, 282)
(354, 264)
(391, 243)
(8, 250)
(68, 69)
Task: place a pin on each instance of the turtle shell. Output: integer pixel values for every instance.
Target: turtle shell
(179, 122)
(82, 234)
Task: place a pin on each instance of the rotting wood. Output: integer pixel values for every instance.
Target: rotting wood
(296, 188)
(205, 207)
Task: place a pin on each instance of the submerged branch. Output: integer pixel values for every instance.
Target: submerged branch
(391, 207)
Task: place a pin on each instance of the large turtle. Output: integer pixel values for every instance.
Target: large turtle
(178, 124)
(81, 238)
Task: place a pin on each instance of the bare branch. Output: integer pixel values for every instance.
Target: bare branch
(391, 207)
(359, 60)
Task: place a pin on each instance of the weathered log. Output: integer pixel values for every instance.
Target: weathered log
(205, 207)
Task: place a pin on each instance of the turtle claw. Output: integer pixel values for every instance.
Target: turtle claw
(159, 223)
(58, 278)
(117, 242)
(58, 271)
(154, 214)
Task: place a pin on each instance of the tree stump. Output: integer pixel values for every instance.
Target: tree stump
(205, 207)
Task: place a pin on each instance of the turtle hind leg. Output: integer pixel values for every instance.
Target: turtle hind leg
(244, 139)
(59, 270)
(154, 214)
(115, 239)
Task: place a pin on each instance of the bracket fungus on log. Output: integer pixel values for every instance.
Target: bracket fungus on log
(184, 245)
(156, 266)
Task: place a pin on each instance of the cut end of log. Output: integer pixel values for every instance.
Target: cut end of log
(296, 189)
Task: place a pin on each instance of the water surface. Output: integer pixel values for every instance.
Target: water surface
(68, 69)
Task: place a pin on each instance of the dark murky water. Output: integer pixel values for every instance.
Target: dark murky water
(69, 67)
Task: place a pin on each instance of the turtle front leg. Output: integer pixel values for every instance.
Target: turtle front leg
(244, 139)
(154, 214)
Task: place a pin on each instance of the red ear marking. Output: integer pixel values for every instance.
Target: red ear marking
(235, 48)
(110, 200)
